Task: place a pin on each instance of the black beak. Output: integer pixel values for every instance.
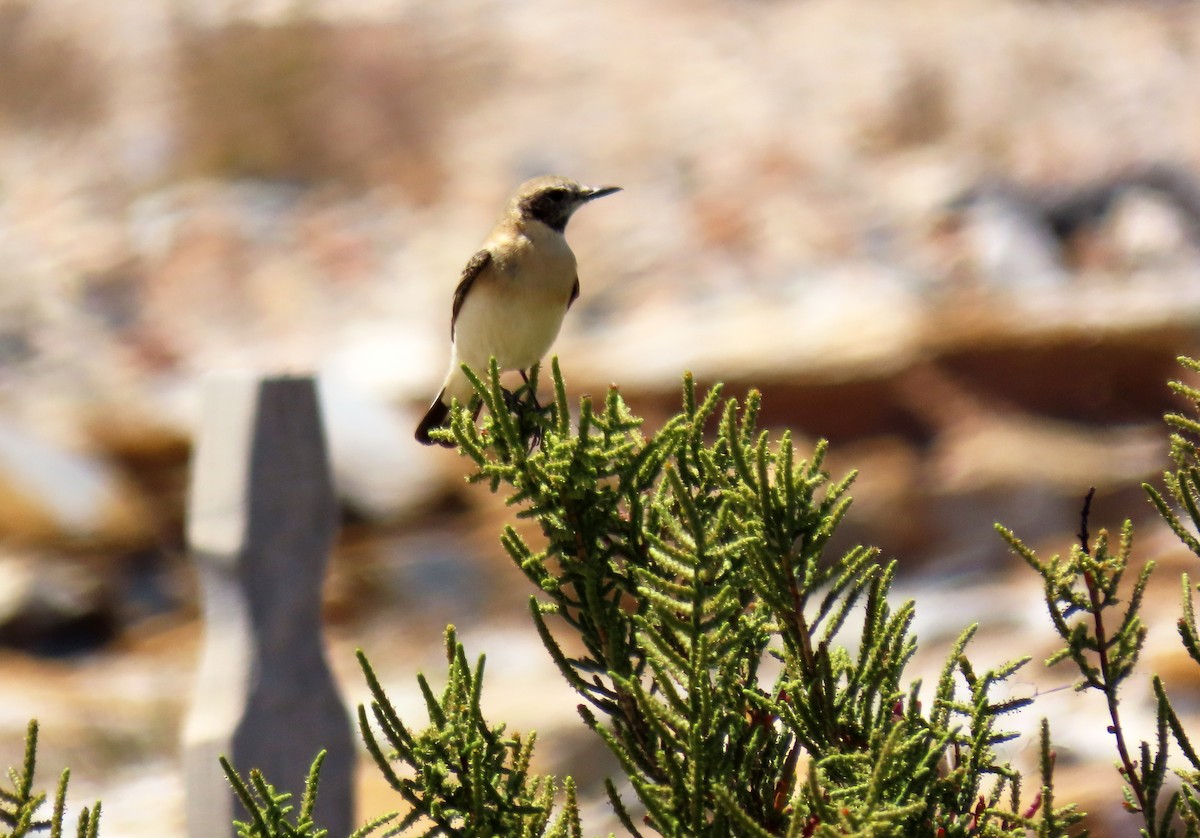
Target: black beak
(594, 192)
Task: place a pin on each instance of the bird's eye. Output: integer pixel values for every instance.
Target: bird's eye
(559, 195)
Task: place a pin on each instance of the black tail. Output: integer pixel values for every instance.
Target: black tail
(437, 416)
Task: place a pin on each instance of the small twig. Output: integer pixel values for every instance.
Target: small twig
(787, 780)
(1083, 521)
(1129, 767)
(796, 616)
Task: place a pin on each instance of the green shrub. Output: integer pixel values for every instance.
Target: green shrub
(706, 619)
(691, 570)
(21, 803)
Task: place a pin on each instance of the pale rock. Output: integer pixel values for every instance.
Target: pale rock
(49, 495)
(379, 469)
(1012, 248)
(1014, 450)
(1146, 230)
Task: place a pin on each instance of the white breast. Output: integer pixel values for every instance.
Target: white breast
(516, 316)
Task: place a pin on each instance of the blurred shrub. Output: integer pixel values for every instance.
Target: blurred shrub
(48, 80)
(309, 100)
(249, 98)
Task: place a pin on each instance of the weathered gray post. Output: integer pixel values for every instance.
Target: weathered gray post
(262, 516)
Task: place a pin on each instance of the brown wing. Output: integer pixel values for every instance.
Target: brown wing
(478, 262)
(574, 293)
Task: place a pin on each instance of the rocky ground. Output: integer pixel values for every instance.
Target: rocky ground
(957, 239)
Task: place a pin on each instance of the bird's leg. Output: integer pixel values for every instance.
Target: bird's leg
(511, 400)
(535, 432)
(532, 392)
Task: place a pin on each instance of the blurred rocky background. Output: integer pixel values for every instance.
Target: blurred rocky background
(958, 238)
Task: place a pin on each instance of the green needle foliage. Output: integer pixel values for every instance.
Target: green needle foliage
(1182, 503)
(1103, 633)
(686, 593)
(20, 802)
(460, 776)
(269, 809)
(457, 777)
(1183, 483)
(1100, 623)
(748, 682)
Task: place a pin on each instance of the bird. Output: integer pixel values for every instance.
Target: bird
(514, 292)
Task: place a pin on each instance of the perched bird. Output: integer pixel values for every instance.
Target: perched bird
(514, 292)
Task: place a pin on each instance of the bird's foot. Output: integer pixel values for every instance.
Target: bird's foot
(531, 421)
(530, 413)
(511, 400)
(533, 439)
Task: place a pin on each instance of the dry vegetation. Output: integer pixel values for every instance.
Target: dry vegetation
(48, 79)
(309, 100)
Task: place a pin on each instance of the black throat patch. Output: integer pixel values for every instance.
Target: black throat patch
(548, 209)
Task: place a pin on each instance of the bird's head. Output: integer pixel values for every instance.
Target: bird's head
(552, 199)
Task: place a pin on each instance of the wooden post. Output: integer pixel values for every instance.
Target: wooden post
(261, 520)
